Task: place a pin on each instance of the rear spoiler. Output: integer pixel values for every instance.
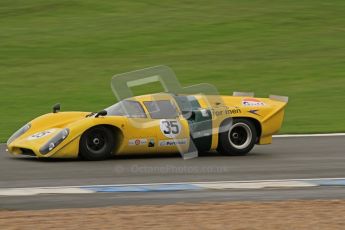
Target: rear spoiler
(279, 98)
(251, 94)
(243, 94)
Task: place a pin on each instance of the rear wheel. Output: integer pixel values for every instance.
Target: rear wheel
(96, 143)
(239, 139)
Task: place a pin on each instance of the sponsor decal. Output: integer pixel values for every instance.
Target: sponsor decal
(41, 134)
(132, 142)
(170, 128)
(232, 111)
(152, 143)
(173, 142)
(252, 102)
(226, 112)
(254, 111)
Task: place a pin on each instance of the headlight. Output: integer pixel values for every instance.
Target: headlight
(55, 141)
(20, 132)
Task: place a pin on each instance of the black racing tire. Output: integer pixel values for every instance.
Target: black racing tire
(96, 143)
(239, 139)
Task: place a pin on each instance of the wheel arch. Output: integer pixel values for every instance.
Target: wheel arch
(117, 134)
(227, 122)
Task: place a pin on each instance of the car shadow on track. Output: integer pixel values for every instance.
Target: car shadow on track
(121, 157)
(133, 157)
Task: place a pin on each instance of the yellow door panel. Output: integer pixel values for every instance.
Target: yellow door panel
(173, 135)
(141, 136)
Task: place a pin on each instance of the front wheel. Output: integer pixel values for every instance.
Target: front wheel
(239, 139)
(96, 143)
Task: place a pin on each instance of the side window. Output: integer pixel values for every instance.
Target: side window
(126, 108)
(163, 109)
(187, 103)
(134, 109)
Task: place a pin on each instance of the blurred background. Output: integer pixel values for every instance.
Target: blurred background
(67, 51)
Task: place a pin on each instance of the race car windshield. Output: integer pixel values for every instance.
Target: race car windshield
(126, 108)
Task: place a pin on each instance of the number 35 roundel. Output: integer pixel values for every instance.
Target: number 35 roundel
(170, 128)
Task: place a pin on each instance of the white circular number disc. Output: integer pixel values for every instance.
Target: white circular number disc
(170, 128)
(41, 134)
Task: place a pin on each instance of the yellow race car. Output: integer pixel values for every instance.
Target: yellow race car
(155, 123)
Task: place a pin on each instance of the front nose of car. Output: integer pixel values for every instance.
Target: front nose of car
(31, 144)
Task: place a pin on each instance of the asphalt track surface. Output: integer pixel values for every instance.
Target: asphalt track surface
(286, 158)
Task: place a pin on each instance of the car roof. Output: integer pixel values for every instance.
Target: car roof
(152, 97)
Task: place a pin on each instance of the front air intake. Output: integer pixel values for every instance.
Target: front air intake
(27, 152)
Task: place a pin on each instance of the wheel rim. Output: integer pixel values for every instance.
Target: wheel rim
(240, 135)
(96, 142)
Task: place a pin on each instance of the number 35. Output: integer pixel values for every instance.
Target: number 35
(171, 127)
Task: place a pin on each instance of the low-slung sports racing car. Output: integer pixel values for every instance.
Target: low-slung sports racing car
(155, 123)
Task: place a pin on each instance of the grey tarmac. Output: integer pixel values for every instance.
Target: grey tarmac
(286, 158)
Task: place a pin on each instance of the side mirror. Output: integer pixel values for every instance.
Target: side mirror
(56, 108)
(102, 113)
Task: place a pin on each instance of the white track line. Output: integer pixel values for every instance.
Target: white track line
(252, 184)
(46, 190)
(191, 182)
(296, 135)
(257, 185)
(310, 135)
